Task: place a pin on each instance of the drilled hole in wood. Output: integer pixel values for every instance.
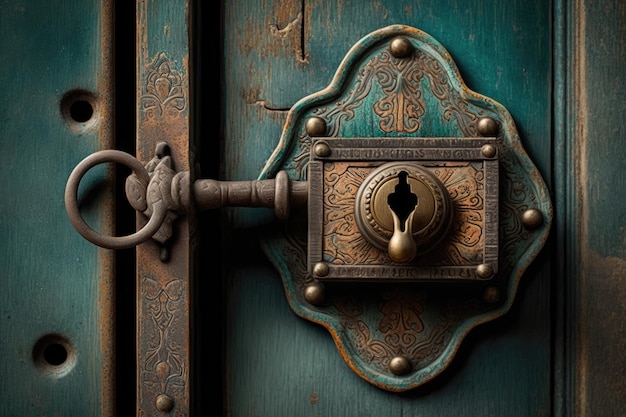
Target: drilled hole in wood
(54, 355)
(80, 109)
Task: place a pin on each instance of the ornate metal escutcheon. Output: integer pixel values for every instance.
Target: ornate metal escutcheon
(422, 208)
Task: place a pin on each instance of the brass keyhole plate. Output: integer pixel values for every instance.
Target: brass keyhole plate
(350, 222)
(432, 214)
(404, 326)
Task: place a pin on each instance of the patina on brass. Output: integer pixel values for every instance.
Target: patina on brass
(532, 218)
(315, 293)
(487, 126)
(428, 213)
(400, 47)
(399, 365)
(315, 126)
(371, 219)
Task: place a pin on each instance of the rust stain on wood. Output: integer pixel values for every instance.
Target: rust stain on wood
(107, 316)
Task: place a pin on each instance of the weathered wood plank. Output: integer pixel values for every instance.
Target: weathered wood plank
(596, 215)
(55, 287)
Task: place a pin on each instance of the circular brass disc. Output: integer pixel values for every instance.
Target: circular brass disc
(432, 216)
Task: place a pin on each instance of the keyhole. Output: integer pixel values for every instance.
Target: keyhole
(402, 201)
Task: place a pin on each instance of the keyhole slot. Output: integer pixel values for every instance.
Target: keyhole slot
(402, 201)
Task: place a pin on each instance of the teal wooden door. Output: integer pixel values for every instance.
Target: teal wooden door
(547, 62)
(67, 313)
(57, 291)
(278, 364)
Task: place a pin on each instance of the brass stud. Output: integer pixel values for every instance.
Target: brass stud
(321, 269)
(491, 295)
(487, 126)
(489, 151)
(399, 365)
(315, 126)
(400, 47)
(322, 149)
(164, 403)
(532, 218)
(484, 271)
(315, 293)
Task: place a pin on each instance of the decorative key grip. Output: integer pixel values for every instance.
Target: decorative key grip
(158, 192)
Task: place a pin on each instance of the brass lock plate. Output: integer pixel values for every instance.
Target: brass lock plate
(456, 180)
(397, 119)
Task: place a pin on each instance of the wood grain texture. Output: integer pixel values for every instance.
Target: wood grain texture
(52, 281)
(280, 365)
(597, 217)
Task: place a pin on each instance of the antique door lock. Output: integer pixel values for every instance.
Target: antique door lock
(412, 183)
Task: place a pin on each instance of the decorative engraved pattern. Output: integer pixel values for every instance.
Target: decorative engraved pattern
(466, 187)
(420, 96)
(402, 105)
(345, 245)
(163, 90)
(163, 369)
(398, 327)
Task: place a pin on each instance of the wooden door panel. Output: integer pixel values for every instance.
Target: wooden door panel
(279, 52)
(556, 66)
(591, 180)
(56, 289)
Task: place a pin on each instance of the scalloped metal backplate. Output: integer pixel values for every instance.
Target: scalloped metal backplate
(377, 95)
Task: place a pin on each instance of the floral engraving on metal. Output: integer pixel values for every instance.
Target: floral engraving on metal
(163, 89)
(340, 225)
(164, 369)
(399, 85)
(402, 327)
(464, 183)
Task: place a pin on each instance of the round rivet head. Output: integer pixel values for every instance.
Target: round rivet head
(489, 151)
(315, 126)
(532, 218)
(399, 365)
(487, 126)
(484, 271)
(321, 149)
(491, 295)
(315, 293)
(400, 47)
(164, 403)
(320, 269)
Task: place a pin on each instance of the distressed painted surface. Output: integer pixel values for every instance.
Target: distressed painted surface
(598, 215)
(51, 279)
(279, 52)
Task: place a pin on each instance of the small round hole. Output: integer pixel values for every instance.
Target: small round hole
(81, 111)
(54, 354)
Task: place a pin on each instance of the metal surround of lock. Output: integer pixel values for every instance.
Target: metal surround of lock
(398, 98)
(422, 159)
(416, 186)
